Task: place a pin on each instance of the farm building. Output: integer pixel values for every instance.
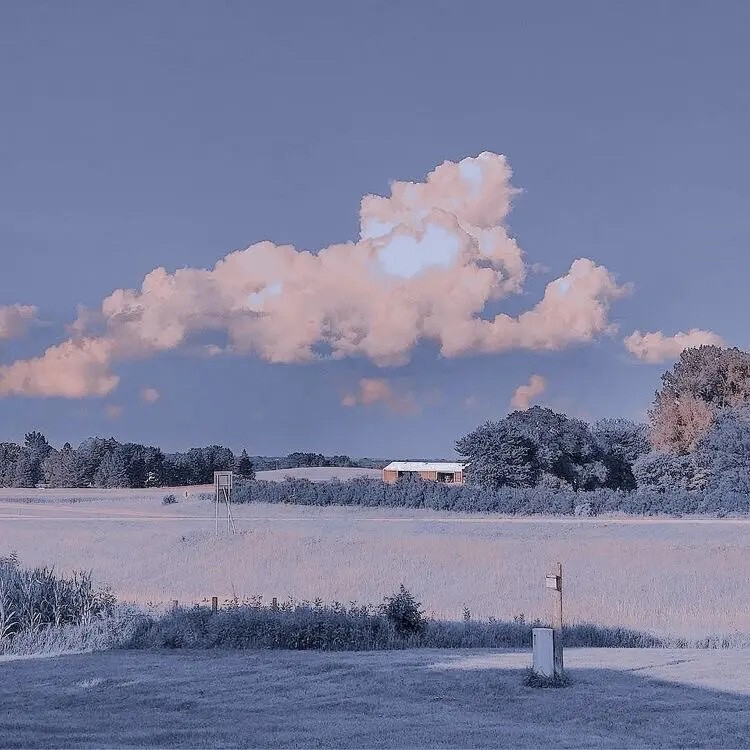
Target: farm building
(438, 471)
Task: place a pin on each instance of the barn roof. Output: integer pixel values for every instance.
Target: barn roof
(448, 466)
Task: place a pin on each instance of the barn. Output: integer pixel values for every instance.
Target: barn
(438, 471)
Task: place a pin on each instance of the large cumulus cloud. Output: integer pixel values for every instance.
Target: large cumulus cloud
(430, 258)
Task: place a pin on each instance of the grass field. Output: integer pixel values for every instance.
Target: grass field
(684, 577)
(619, 698)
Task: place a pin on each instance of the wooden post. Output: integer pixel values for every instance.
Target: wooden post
(175, 604)
(274, 603)
(214, 604)
(557, 622)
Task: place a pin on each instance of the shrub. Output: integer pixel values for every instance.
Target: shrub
(661, 497)
(168, 500)
(404, 612)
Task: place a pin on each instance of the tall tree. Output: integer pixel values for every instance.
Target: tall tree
(244, 467)
(111, 471)
(60, 468)
(621, 442)
(499, 456)
(703, 381)
(10, 453)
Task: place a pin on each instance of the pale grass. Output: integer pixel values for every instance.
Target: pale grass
(676, 577)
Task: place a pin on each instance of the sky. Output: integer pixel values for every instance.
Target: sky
(362, 228)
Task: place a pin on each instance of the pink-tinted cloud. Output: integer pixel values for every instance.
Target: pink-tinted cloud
(150, 395)
(15, 320)
(113, 411)
(430, 258)
(378, 390)
(73, 369)
(526, 394)
(656, 347)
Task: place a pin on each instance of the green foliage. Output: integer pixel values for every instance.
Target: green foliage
(32, 600)
(500, 456)
(251, 624)
(404, 612)
(112, 471)
(418, 493)
(168, 500)
(718, 376)
(539, 447)
(244, 467)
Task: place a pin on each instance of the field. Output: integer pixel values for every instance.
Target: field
(618, 698)
(680, 577)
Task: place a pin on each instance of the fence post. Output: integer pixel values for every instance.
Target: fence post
(557, 622)
(214, 604)
(175, 604)
(274, 603)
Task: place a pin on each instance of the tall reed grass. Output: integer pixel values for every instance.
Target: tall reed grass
(34, 600)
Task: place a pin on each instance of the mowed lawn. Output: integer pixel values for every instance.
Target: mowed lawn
(681, 577)
(428, 698)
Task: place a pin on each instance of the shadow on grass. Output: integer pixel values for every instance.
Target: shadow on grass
(385, 699)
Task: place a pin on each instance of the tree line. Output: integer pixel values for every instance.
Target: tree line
(105, 462)
(697, 438)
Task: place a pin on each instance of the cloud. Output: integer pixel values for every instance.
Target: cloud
(73, 369)
(113, 411)
(15, 320)
(539, 268)
(377, 390)
(430, 258)
(656, 347)
(150, 395)
(525, 394)
(471, 402)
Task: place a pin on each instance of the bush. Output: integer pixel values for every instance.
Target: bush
(168, 500)
(404, 612)
(413, 492)
(334, 627)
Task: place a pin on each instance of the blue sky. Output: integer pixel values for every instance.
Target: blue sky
(141, 135)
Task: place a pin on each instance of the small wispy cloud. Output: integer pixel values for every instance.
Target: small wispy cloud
(471, 402)
(379, 391)
(525, 394)
(113, 411)
(150, 395)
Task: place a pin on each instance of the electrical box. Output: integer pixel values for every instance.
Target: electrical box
(543, 651)
(552, 582)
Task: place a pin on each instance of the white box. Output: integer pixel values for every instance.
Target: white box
(543, 644)
(552, 582)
